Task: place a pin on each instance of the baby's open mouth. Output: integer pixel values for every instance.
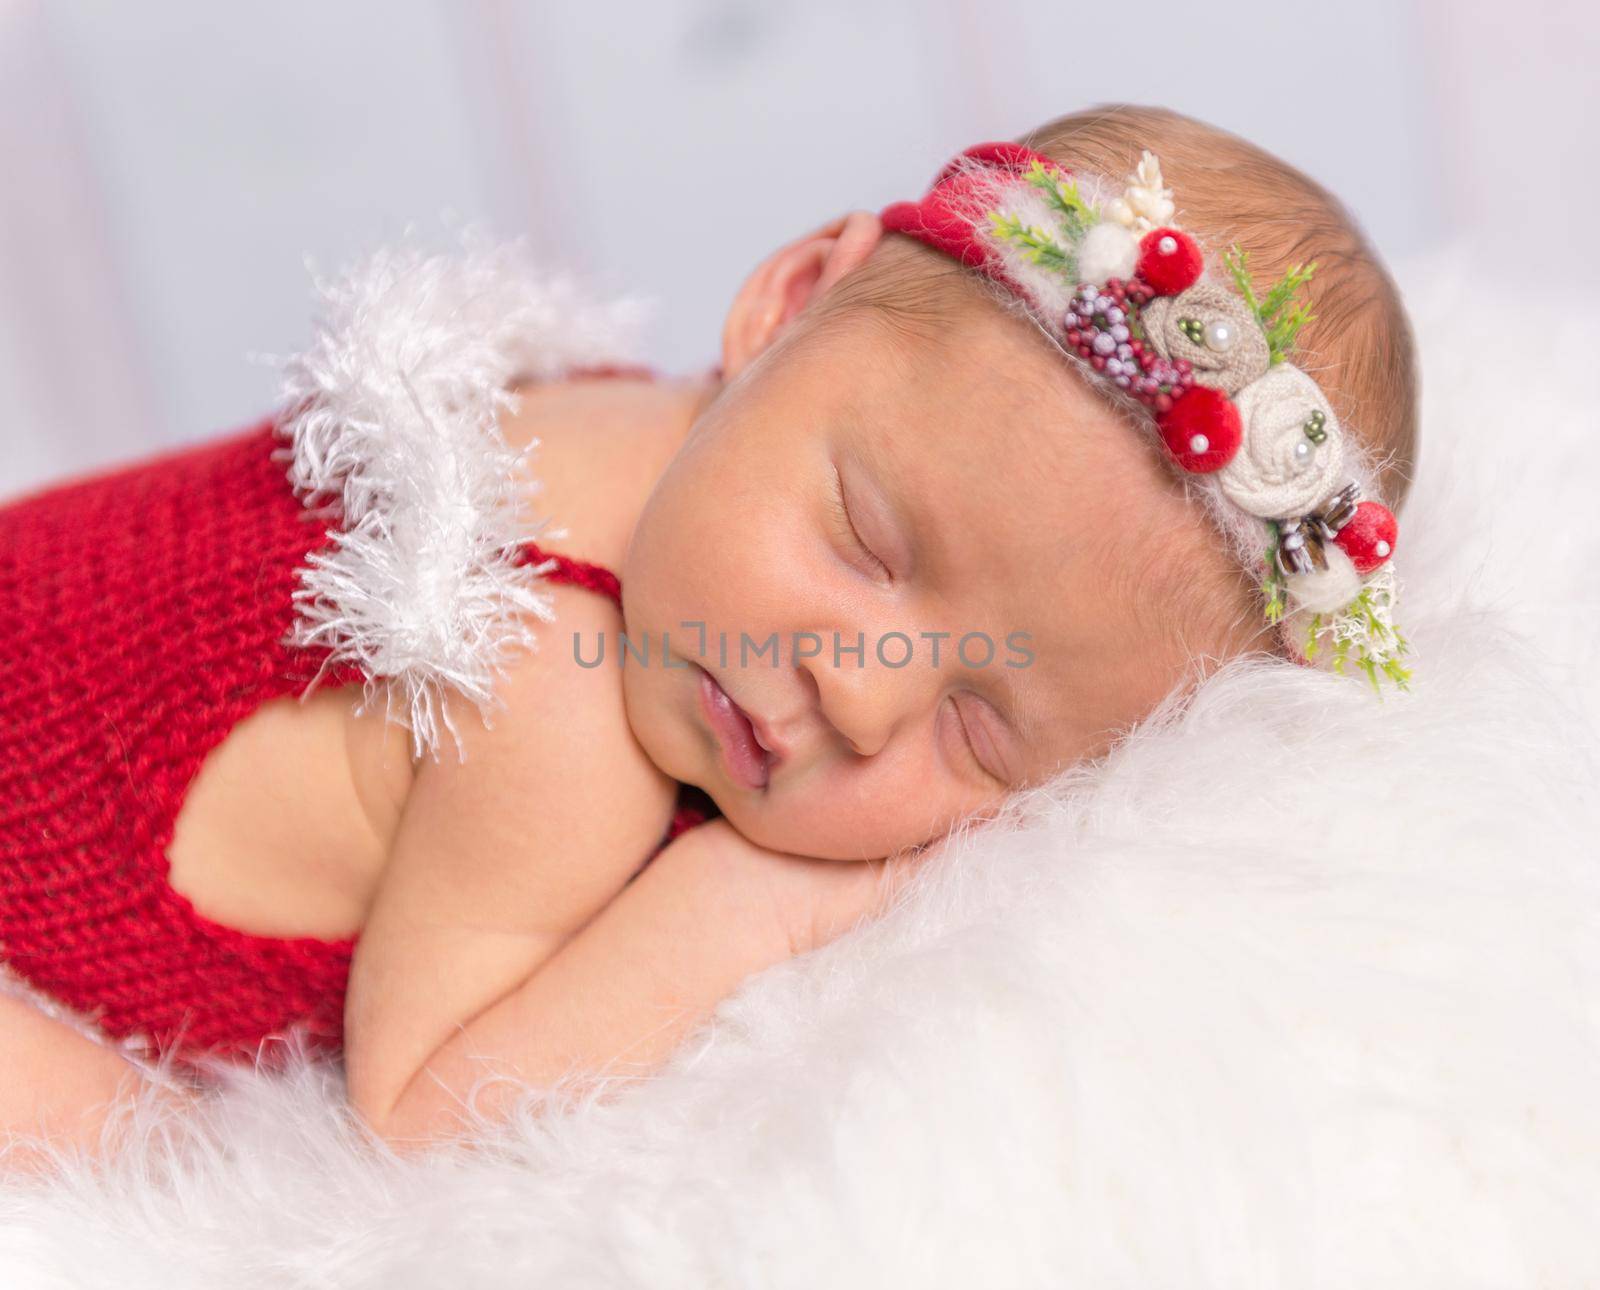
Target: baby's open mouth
(745, 760)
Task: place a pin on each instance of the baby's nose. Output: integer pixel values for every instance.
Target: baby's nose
(865, 701)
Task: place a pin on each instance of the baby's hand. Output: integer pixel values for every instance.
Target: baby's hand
(813, 900)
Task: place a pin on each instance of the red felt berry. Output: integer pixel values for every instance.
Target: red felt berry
(1169, 261)
(1202, 429)
(1369, 537)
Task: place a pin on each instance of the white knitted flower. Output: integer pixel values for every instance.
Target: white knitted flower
(1292, 455)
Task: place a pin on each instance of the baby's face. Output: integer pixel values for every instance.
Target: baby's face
(965, 497)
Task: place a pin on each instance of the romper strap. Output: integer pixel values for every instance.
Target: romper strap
(572, 572)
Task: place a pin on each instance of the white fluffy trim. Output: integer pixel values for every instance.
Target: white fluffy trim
(394, 414)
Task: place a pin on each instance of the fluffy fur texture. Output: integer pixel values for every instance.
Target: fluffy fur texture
(1300, 988)
(393, 413)
(1107, 251)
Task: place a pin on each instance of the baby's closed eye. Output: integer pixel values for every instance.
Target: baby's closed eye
(984, 740)
(847, 534)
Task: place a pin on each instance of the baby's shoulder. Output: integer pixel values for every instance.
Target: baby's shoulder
(556, 759)
(602, 442)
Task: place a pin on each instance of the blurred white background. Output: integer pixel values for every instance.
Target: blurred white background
(167, 167)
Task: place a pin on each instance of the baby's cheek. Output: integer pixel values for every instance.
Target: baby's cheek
(859, 811)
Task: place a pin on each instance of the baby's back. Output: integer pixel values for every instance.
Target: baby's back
(285, 830)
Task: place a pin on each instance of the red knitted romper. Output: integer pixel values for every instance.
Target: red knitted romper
(142, 616)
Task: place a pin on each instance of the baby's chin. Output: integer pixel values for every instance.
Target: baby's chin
(791, 826)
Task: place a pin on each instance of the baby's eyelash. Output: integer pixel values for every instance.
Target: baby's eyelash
(846, 526)
(972, 746)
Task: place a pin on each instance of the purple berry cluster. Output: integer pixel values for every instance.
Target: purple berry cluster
(1099, 325)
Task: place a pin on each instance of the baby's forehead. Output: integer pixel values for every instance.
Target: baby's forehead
(1000, 448)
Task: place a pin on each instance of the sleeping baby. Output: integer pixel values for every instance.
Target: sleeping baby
(309, 730)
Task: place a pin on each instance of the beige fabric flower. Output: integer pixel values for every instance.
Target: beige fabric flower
(1214, 330)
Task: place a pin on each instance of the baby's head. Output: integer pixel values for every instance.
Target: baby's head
(902, 460)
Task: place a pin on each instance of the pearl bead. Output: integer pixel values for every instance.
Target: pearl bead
(1219, 335)
(1199, 444)
(1302, 454)
(1167, 245)
(1383, 549)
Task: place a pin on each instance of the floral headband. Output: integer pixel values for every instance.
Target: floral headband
(1123, 290)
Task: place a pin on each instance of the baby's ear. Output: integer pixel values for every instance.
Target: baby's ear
(789, 279)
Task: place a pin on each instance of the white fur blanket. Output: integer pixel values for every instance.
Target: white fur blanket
(1299, 989)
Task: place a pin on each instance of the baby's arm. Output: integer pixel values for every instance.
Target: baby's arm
(498, 860)
(618, 998)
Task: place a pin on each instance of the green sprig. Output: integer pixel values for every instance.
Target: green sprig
(1372, 663)
(1280, 314)
(1313, 630)
(1036, 244)
(1272, 581)
(1062, 194)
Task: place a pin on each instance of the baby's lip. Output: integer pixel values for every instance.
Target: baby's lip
(746, 755)
(770, 743)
